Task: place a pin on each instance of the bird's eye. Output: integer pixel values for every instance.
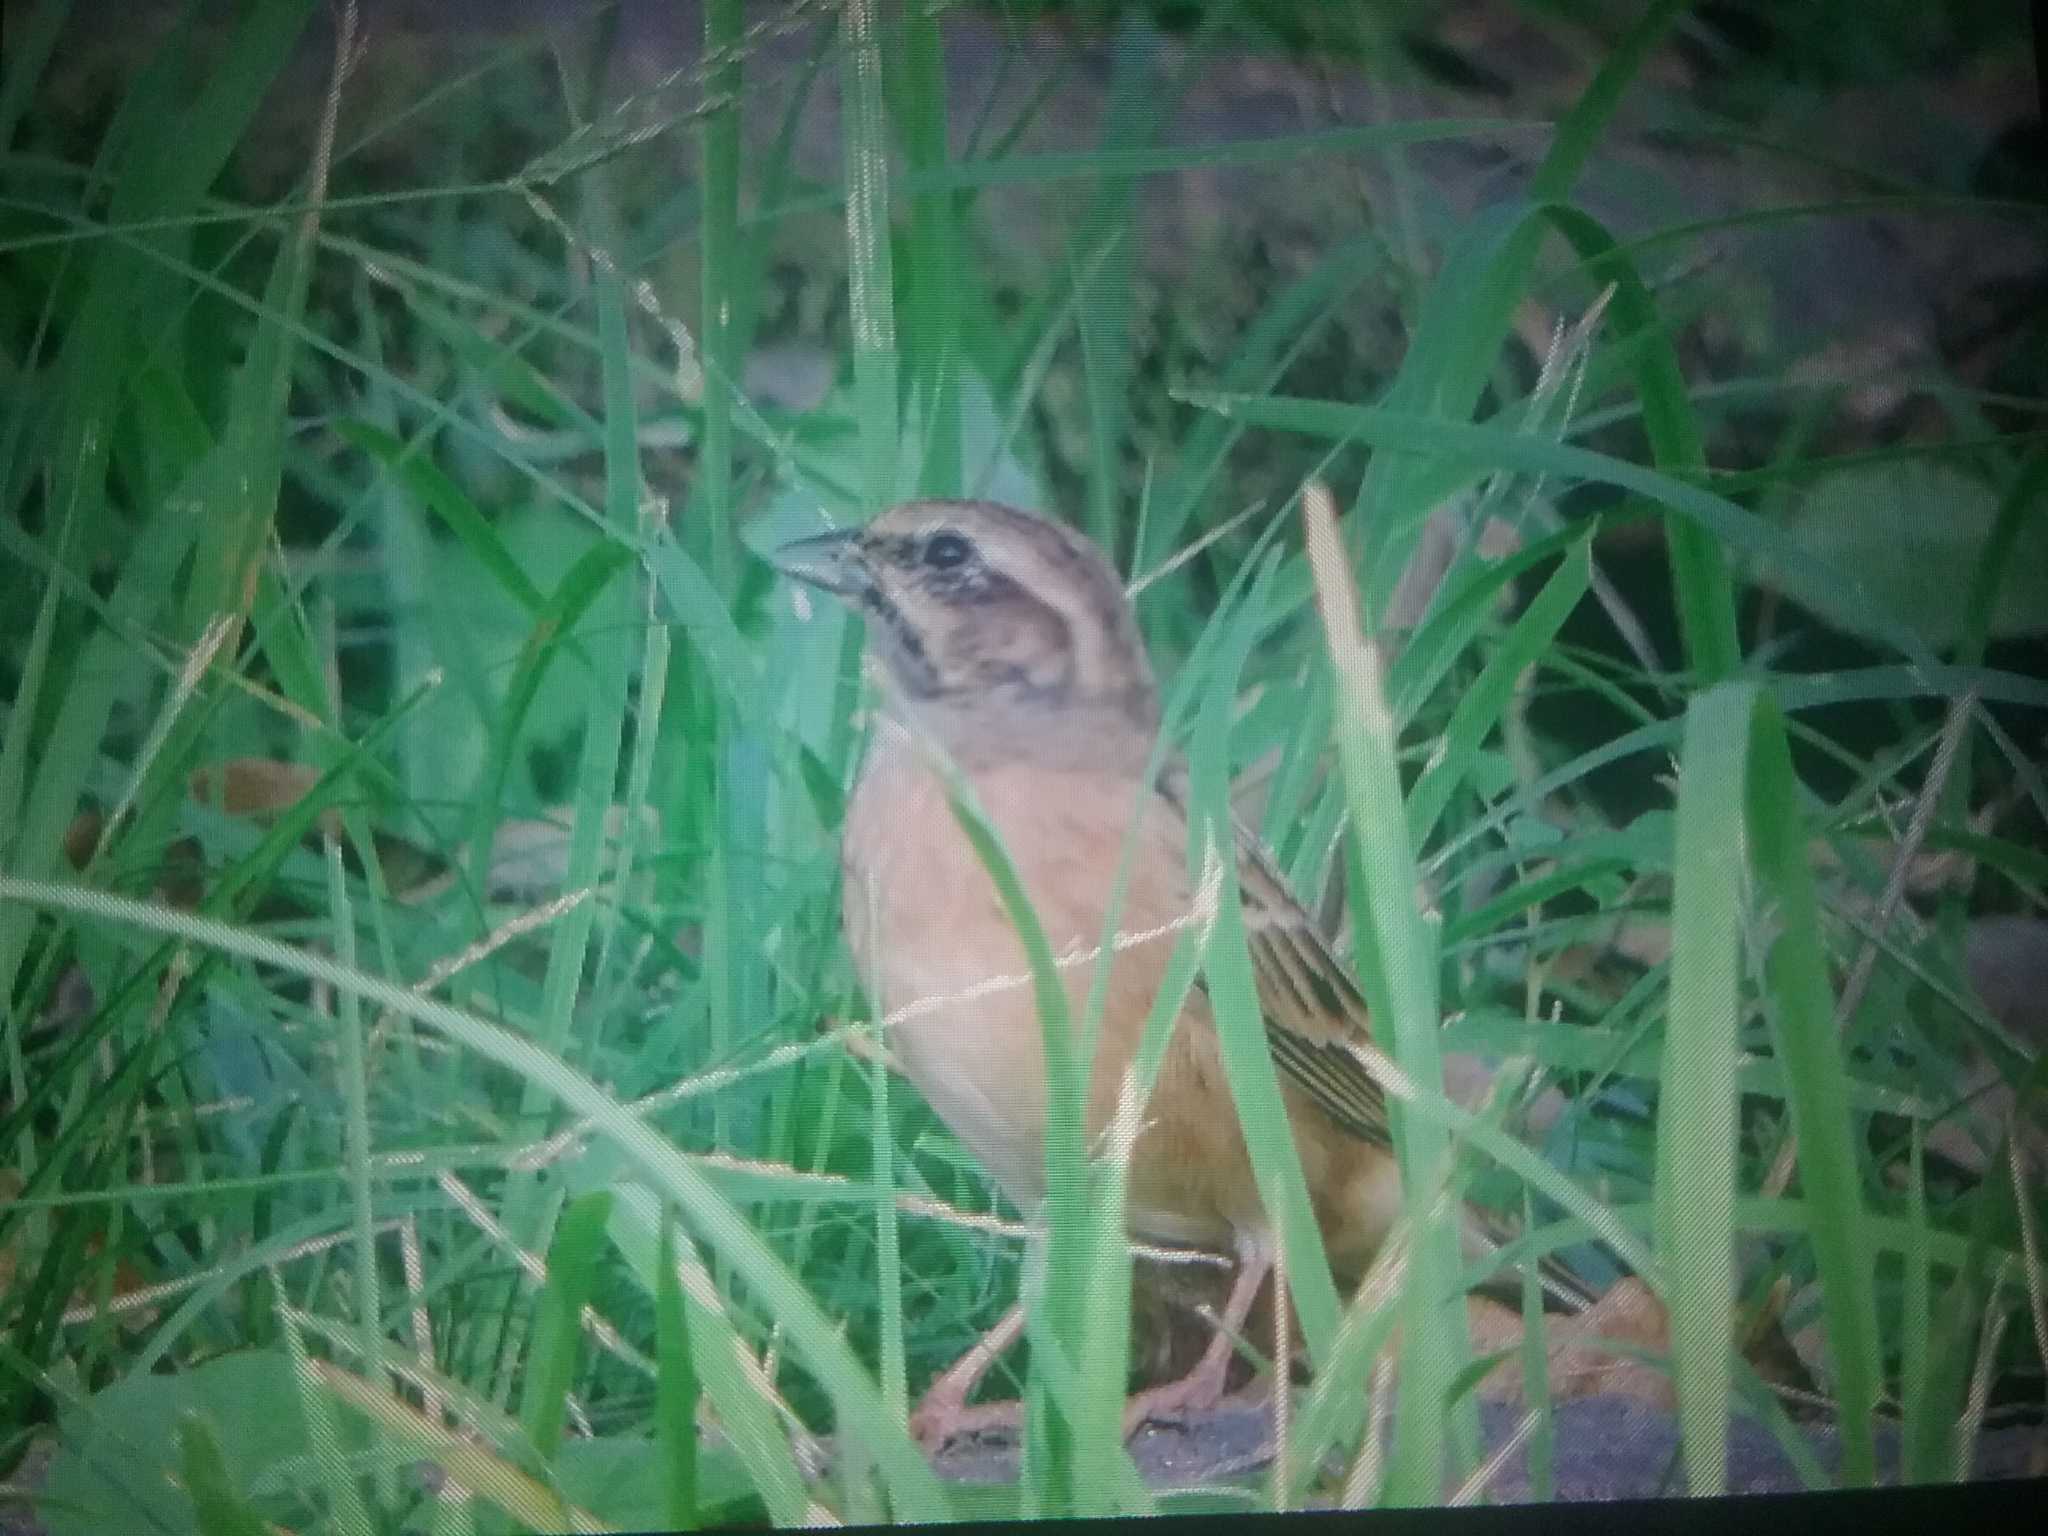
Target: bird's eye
(945, 550)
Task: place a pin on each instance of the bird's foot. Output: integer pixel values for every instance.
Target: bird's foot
(1174, 1403)
(945, 1418)
(1255, 1396)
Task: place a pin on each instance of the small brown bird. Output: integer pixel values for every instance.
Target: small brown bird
(1006, 643)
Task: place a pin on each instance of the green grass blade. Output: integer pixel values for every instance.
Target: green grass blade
(1102, 249)
(677, 1390)
(1233, 991)
(932, 318)
(1799, 573)
(35, 40)
(440, 495)
(1054, 1324)
(719, 1357)
(218, 1508)
(589, 583)
(872, 295)
(355, 1092)
(1706, 602)
(557, 1338)
(491, 1477)
(1916, 1406)
(720, 254)
(1457, 336)
(1696, 1124)
(1257, 363)
(350, 1512)
(912, 1484)
(1479, 707)
(1803, 1015)
(1402, 969)
(1121, 162)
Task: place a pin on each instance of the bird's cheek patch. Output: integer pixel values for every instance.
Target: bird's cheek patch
(1029, 649)
(1041, 661)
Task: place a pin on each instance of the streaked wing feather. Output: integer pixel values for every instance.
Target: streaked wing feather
(1316, 1016)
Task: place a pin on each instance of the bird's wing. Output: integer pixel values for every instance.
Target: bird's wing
(1317, 1021)
(1316, 1017)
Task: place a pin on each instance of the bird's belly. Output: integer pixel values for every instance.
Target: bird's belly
(965, 1032)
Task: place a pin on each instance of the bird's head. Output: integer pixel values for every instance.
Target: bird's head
(979, 612)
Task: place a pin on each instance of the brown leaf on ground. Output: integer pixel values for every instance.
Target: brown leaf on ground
(1580, 1364)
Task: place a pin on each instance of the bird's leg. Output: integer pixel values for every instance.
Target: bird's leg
(1202, 1387)
(943, 1414)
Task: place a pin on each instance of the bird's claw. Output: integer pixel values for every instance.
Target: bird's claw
(938, 1425)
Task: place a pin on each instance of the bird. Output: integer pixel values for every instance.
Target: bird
(1006, 647)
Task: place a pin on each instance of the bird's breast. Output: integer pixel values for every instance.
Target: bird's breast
(942, 962)
(947, 974)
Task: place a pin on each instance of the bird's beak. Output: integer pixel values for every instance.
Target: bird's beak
(830, 561)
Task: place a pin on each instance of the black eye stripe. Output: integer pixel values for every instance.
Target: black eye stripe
(913, 659)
